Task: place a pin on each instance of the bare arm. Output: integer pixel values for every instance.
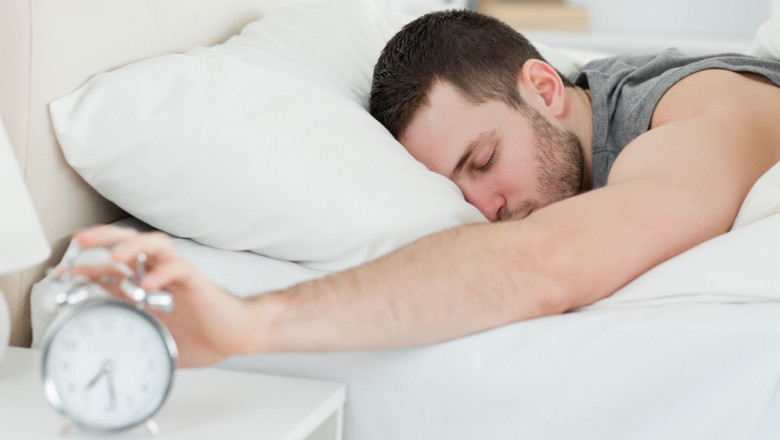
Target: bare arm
(674, 187)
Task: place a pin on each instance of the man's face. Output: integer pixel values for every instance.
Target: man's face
(508, 163)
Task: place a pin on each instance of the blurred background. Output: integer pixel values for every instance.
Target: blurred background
(619, 26)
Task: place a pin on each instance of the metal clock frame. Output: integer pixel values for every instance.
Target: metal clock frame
(49, 388)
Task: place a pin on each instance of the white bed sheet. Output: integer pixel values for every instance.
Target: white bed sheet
(707, 371)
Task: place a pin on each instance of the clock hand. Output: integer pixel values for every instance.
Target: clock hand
(95, 379)
(108, 371)
(110, 375)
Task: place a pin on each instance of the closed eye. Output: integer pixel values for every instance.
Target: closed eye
(492, 160)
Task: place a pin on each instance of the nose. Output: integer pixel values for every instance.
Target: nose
(488, 202)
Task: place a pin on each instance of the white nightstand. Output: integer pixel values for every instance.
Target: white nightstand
(203, 404)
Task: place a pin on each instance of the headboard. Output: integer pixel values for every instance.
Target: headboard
(51, 47)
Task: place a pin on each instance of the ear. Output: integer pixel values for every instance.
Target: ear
(544, 85)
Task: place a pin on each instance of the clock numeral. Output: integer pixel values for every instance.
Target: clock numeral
(69, 344)
(85, 329)
(106, 324)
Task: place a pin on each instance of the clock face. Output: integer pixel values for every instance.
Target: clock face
(107, 366)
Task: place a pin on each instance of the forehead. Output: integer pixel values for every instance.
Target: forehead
(441, 130)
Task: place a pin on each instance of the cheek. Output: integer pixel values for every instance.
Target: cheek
(517, 171)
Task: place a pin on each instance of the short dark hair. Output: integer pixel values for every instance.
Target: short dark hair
(479, 55)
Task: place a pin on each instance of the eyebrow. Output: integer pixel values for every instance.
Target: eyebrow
(467, 152)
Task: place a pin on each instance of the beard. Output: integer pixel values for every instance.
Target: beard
(559, 164)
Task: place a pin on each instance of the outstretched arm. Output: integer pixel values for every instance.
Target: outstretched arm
(674, 187)
(447, 285)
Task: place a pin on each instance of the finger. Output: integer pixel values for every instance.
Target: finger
(103, 235)
(96, 272)
(106, 276)
(127, 243)
(157, 247)
(168, 273)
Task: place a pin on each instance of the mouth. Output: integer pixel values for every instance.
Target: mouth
(505, 214)
(501, 216)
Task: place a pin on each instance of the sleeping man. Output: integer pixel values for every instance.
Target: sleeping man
(588, 183)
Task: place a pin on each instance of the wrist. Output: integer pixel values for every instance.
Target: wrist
(264, 314)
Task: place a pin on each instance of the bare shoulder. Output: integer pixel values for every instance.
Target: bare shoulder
(746, 96)
(712, 136)
(714, 113)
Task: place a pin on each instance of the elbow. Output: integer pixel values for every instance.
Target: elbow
(555, 299)
(546, 297)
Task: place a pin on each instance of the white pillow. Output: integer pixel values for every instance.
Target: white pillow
(243, 274)
(262, 143)
(762, 200)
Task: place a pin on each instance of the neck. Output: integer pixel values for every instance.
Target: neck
(581, 124)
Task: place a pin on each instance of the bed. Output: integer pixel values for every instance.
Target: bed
(689, 350)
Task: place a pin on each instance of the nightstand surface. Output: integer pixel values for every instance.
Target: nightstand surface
(204, 403)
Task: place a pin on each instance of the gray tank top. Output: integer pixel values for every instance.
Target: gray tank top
(625, 90)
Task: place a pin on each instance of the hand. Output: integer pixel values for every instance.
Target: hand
(207, 323)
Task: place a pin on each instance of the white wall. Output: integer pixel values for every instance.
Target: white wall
(696, 27)
(728, 19)
(419, 7)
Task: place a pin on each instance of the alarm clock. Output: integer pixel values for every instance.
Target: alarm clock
(107, 364)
